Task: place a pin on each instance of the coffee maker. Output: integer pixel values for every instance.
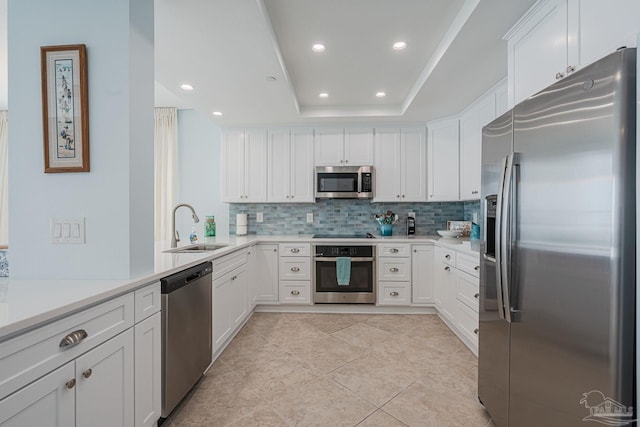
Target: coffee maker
(411, 224)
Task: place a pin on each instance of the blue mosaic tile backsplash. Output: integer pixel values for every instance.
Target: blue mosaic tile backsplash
(4, 264)
(347, 216)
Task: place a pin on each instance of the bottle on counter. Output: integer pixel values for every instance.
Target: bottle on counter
(210, 226)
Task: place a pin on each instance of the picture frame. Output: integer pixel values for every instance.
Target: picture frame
(65, 108)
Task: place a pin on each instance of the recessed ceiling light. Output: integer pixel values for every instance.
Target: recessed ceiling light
(186, 87)
(380, 94)
(318, 47)
(217, 113)
(399, 45)
(323, 95)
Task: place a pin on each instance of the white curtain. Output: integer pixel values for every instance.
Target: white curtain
(166, 169)
(4, 178)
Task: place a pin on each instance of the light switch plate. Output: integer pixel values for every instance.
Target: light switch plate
(259, 217)
(310, 217)
(68, 230)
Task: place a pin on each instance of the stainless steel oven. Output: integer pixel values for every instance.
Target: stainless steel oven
(361, 288)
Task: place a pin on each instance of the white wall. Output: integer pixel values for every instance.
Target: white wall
(199, 142)
(3, 55)
(116, 197)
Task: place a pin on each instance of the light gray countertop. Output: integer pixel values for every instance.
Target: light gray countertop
(25, 304)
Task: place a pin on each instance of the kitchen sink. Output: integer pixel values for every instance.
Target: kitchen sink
(195, 248)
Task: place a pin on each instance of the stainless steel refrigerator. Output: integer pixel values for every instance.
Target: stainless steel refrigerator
(557, 277)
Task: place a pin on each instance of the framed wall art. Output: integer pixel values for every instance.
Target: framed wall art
(65, 108)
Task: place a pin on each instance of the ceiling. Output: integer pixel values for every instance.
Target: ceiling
(228, 50)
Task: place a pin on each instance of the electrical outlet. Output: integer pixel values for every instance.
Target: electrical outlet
(259, 217)
(475, 217)
(310, 217)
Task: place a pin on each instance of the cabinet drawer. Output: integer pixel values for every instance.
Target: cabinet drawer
(294, 268)
(295, 292)
(27, 357)
(394, 250)
(147, 301)
(468, 263)
(447, 256)
(468, 290)
(294, 249)
(222, 266)
(393, 293)
(394, 269)
(467, 322)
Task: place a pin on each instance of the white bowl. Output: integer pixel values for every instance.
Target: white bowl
(450, 233)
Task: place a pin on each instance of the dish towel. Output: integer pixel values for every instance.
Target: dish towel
(343, 270)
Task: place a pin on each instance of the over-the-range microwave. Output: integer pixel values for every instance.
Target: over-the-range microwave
(344, 182)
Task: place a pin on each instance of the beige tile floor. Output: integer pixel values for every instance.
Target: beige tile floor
(286, 369)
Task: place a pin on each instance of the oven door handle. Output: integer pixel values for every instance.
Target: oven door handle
(334, 259)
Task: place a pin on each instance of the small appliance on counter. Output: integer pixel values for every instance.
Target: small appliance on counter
(411, 224)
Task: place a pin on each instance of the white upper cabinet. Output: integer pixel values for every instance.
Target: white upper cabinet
(244, 166)
(400, 166)
(443, 155)
(290, 166)
(472, 120)
(557, 37)
(344, 147)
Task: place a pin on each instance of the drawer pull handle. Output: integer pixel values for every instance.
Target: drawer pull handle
(71, 383)
(87, 373)
(394, 294)
(393, 270)
(476, 296)
(295, 269)
(447, 268)
(295, 250)
(295, 292)
(393, 250)
(475, 331)
(476, 268)
(74, 338)
(447, 256)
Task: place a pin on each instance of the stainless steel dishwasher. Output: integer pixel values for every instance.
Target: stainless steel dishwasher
(186, 332)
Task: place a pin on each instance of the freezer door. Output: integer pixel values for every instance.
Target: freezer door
(493, 344)
(573, 276)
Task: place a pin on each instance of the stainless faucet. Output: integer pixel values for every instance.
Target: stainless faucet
(175, 237)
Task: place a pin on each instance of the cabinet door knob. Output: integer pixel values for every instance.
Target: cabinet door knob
(398, 196)
(394, 294)
(295, 250)
(295, 292)
(393, 270)
(393, 250)
(475, 331)
(476, 268)
(295, 269)
(447, 256)
(292, 197)
(447, 268)
(570, 69)
(71, 383)
(559, 76)
(415, 250)
(403, 196)
(346, 161)
(87, 373)
(476, 296)
(275, 250)
(73, 338)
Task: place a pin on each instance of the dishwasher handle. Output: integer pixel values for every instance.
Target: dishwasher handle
(185, 278)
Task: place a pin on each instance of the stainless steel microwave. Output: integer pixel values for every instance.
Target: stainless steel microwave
(344, 182)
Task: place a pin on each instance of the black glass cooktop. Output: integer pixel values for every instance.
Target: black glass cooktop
(345, 236)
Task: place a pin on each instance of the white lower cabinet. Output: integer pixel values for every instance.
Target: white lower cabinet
(266, 280)
(47, 402)
(422, 274)
(445, 290)
(394, 274)
(148, 370)
(394, 293)
(230, 304)
(104, 381)
(294, 266)
(82, 369)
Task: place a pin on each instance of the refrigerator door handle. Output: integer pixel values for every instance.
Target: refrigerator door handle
(505, 238)
(498, 237)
